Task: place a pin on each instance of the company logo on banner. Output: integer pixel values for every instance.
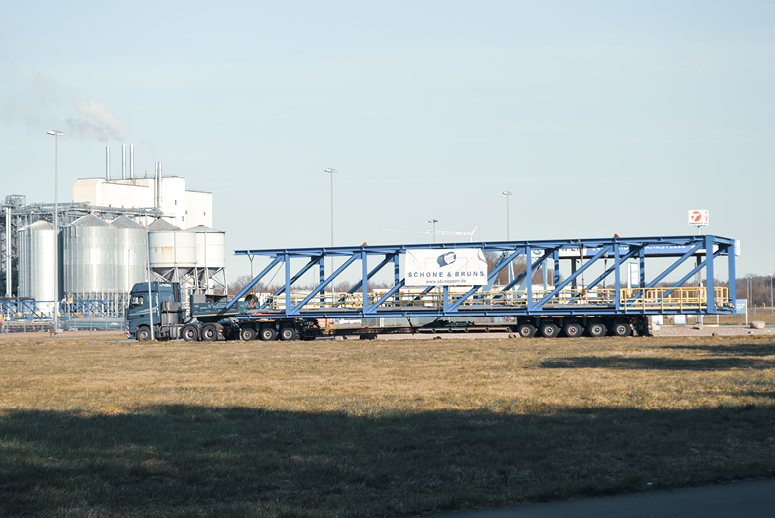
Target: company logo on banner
(699, 218)
(464, 267)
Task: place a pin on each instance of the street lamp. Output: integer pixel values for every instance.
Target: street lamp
(508, 235)
(332, 172)
(56, 135)
(434, 221)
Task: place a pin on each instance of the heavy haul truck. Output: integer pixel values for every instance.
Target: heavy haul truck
(451, 288)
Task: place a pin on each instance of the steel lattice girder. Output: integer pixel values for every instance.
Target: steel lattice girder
(588, 251)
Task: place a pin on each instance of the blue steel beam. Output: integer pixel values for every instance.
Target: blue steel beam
(572, 277)
(252, 283)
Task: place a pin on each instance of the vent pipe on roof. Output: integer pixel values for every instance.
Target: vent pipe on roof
(157, 186)
(132, 161)
(123, 161)
(107, 162)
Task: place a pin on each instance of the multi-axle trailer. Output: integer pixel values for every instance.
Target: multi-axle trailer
(569, 287)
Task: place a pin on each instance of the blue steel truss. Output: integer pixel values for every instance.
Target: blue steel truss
(605, 295)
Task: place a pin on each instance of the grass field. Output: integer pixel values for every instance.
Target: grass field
(99, 428)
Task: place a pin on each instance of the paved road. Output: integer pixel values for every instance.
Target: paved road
(749, 499)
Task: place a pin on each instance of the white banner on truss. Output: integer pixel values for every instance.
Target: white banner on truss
(459, 267)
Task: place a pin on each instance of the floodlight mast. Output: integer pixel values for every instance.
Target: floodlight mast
(56, 134)
(332, 171)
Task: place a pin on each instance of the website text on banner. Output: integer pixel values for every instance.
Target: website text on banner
(464, 267)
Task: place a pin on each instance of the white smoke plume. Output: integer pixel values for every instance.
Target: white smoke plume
(94, 121)
(44, 104)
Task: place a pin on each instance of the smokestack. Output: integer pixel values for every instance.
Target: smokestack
(132, 161)
(123, 162)
(107, 162)
(159, 189)
(156, 185)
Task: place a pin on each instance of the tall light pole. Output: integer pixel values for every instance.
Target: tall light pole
(56, 135)
(434, 221)
(508, 234)
(331, 172)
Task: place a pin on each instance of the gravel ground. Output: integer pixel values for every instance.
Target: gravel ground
(710, 330)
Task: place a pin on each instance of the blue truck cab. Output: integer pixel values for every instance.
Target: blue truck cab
(166, 311)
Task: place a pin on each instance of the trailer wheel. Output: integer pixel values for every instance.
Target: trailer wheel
(143, 333)
(622, 329)
(268, 334)
(596, 329)
(288, 333)
(549, 330)
(572, 329)
(190, 333)
(247, 333)
(210, 333)
(526, 330)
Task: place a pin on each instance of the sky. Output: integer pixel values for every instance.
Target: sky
(600, 117)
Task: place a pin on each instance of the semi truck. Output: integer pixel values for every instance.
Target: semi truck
(450, 287)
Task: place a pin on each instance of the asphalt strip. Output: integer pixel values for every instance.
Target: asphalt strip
(749, 499)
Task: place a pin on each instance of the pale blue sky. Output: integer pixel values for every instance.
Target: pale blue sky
(600, 117)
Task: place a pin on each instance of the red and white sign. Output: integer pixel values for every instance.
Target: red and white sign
(699, 218)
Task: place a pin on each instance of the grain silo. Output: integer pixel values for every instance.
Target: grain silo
(131, 253)
(210, 258)
(89, 259)
(37, 262)
(172, 251)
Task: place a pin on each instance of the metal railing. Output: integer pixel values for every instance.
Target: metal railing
(630, 299)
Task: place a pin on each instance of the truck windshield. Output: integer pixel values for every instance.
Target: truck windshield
(137, 300)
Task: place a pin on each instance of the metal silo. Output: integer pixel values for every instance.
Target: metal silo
(89, 259)
(173, 252)
(210, 257)
(37, 262)
(131, 253)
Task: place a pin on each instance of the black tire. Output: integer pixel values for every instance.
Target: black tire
(210, 333)
(288, 334)
(572, 329)
(143, 333)
(596, 329)
(526, 330)
(549, 330)
(190, 333)
(247, 334)
(621, 329)
(268, 334)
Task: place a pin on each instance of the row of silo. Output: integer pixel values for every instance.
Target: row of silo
(196, 253)
(101, 260)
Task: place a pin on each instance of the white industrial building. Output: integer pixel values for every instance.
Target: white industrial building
(180, 207)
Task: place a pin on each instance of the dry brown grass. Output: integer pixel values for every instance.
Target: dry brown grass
(366, 428)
